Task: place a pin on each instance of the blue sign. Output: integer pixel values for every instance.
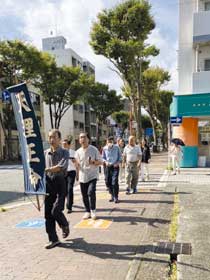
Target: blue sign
(6, 96)
(30, 140)
(33, 223)
(149, 131)
(175, 120)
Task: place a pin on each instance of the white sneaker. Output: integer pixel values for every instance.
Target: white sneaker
(93, 214)
(86, 216)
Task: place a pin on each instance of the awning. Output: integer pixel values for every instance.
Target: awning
(191, 105)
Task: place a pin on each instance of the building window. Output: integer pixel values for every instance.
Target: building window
(81, 109)
(74, 62)
(76, 124)
(207, 6)
(207, 65)
(81, 125)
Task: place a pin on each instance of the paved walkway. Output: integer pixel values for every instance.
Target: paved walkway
(123, 249)
(193, 186)
(120, 251)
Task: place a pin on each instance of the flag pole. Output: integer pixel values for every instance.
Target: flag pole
(37, 196)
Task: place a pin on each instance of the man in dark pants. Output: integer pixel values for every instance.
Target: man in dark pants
(111, 156)
(71, 175)
(88, 160)
(56, 164)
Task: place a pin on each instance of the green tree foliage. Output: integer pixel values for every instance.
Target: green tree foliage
(146, 122)
(18, 62)
(61, 87)
(104, 102)
(119, 34)
(153, 79)
(165, 99)
(122, 118)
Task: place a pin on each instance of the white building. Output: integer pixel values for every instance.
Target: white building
(192, 102)
(194, 46)
(79, 117)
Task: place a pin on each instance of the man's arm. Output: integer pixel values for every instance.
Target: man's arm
(62, 164)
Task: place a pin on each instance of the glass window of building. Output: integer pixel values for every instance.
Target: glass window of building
(76, 124)
(81, 109)
(207, 65)
(74, 62)
(207, 6)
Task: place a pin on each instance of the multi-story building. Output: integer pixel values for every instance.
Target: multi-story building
(192, 103)
(80, 116)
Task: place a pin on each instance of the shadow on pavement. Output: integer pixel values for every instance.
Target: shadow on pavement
(198, 266)
(145, 201)
(110, 251)
(134, 220)
(160, 192)
(6, 196)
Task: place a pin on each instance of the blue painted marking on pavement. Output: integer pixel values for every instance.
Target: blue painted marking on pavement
(32, 223)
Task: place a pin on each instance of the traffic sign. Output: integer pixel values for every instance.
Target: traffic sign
(149, 131)
(175, 120)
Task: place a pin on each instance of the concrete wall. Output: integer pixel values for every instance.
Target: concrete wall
(186, 56)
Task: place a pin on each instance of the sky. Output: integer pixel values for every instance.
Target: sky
(33, 20)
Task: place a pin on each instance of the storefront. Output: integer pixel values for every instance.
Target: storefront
(195, 128)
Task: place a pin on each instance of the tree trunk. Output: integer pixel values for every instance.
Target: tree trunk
(51, 115)
(139, 95)
(9, 144)
(154, 130)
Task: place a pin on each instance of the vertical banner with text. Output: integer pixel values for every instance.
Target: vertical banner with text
(30, 140)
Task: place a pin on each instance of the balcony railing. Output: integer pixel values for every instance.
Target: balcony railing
(201, 31)
(201, 82)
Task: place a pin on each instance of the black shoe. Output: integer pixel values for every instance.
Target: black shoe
(134, 190)
(111, 199)
(52, 244)
(116, 200)
(69, 211)
(66, 231)
(128, 191)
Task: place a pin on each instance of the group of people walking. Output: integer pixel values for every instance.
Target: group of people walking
(64, 166)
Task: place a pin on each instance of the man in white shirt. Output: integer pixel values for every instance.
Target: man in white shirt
(132, 158)
(88, 159)
(71, 175)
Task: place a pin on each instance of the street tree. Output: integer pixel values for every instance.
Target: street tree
(119, 34)
(163, 114)
(18, 62)
(146, 122)
(153, 79)
(104, 102)
(122, 118)
(61, 87)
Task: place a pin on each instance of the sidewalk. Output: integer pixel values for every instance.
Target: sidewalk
(118, 252)
(123, 249)
(193, 186)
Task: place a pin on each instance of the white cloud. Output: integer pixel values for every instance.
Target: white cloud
(73, 20)
(167, 58)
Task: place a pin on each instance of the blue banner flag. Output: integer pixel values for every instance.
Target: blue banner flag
(30, 139)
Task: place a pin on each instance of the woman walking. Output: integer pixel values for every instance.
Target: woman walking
(145, 160)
